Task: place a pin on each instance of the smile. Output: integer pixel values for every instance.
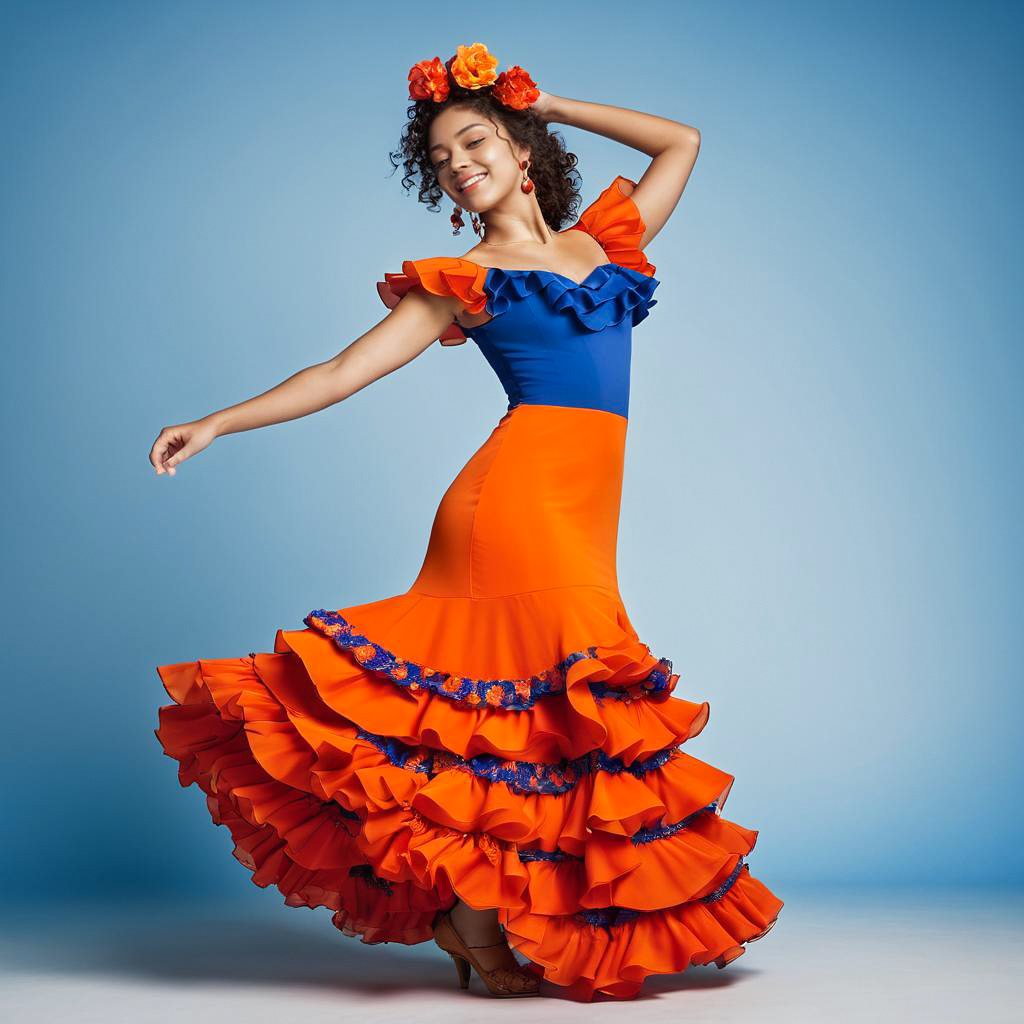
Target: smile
(472, 181)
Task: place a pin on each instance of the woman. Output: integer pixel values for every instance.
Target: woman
(492, 758)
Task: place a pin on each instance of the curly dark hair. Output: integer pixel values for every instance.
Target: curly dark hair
(552, 167)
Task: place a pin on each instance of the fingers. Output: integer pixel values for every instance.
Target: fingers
(170, 448)
(178, 456)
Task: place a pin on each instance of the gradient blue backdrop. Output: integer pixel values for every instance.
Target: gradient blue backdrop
(821, 522)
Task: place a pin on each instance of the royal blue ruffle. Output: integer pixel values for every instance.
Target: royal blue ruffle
(604, 298)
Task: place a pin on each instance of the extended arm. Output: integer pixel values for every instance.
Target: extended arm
(402, 335)
(673, 145)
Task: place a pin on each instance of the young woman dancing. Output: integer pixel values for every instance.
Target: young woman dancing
(492, 759)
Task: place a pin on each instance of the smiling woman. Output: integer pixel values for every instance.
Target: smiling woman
(493, 758)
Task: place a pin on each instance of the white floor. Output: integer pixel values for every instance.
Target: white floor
(876, 956)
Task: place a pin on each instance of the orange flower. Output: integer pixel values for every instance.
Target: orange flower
(473, 67)
(515, 88)
(400, 670)
(428, 80)
(451, 686)
(523, 687)
(364, 652)
(473, 698)
(494, 695)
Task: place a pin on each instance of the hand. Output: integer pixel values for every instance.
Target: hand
(176, 444)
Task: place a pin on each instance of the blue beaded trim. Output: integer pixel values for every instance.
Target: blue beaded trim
(644, 835)
(649, 835)
(609, 917)
(509, 694)
(519, 776)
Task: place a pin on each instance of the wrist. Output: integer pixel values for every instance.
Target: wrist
(551, 108)
(217, 422)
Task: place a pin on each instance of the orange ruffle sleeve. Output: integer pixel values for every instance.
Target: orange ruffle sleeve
(614, 220)
(440, 275)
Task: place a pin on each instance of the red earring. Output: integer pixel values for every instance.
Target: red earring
(527, 185)
(457, 222)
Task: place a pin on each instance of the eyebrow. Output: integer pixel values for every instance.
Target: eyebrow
(475, 124)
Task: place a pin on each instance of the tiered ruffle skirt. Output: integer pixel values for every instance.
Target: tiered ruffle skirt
(518, 748)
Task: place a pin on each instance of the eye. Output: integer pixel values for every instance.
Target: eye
(475, 142)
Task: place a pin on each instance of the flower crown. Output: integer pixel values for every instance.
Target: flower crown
(472, 67)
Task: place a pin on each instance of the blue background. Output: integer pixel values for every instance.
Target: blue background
(821, 521)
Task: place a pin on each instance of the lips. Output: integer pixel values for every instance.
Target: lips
(472, 180)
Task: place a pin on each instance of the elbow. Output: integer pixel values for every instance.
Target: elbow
(685, 138)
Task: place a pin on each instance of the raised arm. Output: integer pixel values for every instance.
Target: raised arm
(673, 145)
(408, 330)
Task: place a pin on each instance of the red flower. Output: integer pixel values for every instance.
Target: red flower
(428, 80)
(515, 88)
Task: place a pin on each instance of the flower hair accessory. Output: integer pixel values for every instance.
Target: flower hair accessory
(472, 67)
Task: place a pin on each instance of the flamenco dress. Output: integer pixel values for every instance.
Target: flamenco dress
(498, 733)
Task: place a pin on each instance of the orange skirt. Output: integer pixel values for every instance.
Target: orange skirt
(497, 734)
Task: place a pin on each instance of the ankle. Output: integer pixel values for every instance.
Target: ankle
(477, 927)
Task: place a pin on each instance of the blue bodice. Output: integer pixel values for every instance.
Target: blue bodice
(552, 341)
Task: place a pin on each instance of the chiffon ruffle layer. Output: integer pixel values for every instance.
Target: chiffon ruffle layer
(383, 779)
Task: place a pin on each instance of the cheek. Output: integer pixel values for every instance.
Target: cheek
(495, 158)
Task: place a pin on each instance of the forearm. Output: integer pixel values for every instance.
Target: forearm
(310, 390)
(648, 133)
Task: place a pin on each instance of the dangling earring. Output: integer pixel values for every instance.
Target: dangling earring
(527, 185)
(477, 227)
(457, 222)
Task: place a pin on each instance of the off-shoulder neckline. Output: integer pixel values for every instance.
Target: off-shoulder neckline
(553, 273)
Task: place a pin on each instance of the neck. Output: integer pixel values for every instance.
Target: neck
(518, 226)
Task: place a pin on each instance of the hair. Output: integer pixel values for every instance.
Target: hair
(552, 167)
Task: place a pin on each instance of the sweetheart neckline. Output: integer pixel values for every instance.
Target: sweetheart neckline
(553, 273)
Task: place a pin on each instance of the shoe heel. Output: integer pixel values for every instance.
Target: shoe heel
(462, 969)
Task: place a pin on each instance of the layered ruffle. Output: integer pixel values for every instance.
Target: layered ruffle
(348, 790)
(614, 220)
(517, 694)
(440, 275)
(605, 298)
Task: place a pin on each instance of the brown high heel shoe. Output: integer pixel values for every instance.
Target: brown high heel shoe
(500, 981)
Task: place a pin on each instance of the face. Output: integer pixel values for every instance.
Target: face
(462, 142)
